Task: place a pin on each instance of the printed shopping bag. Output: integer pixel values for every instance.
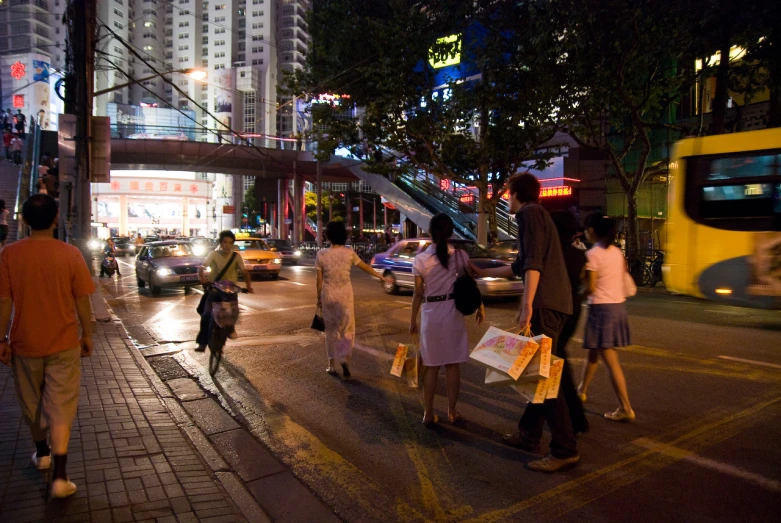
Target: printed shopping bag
(501, 350)
(412, 368)
(554, 380)
(533, 391)
(398, 362)
(539, 366)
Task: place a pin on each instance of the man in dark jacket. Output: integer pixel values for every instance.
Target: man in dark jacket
(545, 306)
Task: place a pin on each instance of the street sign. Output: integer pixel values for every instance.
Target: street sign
(228, 209)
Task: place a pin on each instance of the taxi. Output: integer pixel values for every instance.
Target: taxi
(258, 257)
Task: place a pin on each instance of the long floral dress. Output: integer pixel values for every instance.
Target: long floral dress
(338, 305)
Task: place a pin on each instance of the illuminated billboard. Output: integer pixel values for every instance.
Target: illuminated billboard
(453, 58)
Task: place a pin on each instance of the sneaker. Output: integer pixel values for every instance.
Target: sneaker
(62, 488)
(200, 348)
(518, 441)
(552, 464)
(620, 415)
(42, 463)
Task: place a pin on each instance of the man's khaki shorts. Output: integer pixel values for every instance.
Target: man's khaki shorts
(48, 387)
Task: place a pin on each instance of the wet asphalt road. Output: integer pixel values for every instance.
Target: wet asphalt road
(704, 379)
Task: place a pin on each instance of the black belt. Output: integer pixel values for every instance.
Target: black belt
(443, 297)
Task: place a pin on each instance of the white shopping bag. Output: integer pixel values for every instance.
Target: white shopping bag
(533, 391)
(554, 381)
(539, 366)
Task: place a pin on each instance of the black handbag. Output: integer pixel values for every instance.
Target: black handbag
(202, 304)
(317, 322)
(467, 294)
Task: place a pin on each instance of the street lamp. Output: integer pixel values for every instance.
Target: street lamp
(194, 73)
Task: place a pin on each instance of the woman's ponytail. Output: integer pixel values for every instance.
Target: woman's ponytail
(441, 230)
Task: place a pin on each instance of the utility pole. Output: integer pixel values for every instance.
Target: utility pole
(81, 35)
(319, 211)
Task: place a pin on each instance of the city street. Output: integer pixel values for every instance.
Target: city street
(704, 380)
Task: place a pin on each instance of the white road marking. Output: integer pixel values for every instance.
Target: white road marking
(126, 264)
(718, 466)
(405, 302)
(752, 362)
(296, 283)
(165, 311)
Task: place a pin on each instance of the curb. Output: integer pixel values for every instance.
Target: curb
(230, 482)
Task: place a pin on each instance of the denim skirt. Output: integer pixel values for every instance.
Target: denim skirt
(607, 326)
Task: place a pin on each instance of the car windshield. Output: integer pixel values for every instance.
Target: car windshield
(473, 249)
(171, 251)
(120, 241)
(280, 244)
(250, 245)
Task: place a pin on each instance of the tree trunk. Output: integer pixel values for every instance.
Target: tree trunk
(722, 89)
(482, 214)
(492, 225)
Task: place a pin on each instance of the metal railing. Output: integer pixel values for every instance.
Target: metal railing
(364, 250)
(437, 200)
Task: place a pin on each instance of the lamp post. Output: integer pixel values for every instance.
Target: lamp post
(194, 73)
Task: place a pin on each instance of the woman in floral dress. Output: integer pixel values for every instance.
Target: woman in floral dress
(335, 296)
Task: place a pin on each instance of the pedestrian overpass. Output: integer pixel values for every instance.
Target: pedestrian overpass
(260, 162)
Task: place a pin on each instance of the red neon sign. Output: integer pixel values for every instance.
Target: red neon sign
(18, 101)
(548, 192)
(17, 70)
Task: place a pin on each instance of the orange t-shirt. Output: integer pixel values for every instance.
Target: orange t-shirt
(43, 278)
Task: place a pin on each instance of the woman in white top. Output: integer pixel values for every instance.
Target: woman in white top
(443, 337)
(607, 326)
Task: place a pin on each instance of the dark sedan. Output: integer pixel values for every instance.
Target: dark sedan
(287, 252)
(167, 264)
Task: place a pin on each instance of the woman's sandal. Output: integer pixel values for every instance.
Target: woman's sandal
(454, 419)
(431, 422)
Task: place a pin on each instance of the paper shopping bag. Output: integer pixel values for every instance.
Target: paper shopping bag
(500, 350)
(539, 366)
(398, 362)
(412, 368)
(554, 380)
(495, 377)
(533, 391)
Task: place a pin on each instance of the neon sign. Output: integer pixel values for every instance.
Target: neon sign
(18, 101)
(330, 98)
(17, 70)
(548, 192)
(450, 59)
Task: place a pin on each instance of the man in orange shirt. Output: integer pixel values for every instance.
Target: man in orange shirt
(47, 285)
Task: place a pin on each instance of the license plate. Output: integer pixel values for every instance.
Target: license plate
(189, 277)
(259, 267)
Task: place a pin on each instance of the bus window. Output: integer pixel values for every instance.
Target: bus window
(740, 192)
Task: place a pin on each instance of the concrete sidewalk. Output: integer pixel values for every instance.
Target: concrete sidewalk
(128, 455)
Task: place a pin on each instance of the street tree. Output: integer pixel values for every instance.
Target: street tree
(624, 65)
(476, 122)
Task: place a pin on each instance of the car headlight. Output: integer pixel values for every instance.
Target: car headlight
(164, 272)
(277, 260)
(297, 253)
(199, 250)
(93, 244)
(207, 269)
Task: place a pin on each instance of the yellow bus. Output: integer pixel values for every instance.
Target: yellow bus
(724, 219)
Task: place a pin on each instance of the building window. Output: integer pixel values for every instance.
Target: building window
(118, 1)
(219, 42)
(183, 59)
(118, 25)
(119, 13)
(220, 54)
(150, 35)
(219, 66)
(184, 1)
(257, 25)
(184, 24)
(149, 48)
(219, 19)
(152, 12)
(242, 57)
(184, 47)
(257, 61)
(150, 23)
(205, 51)
(119, 50)
(220, 7)
(257, 38)
(219, 30)
(257, 49)
(205, 40)
(182, 36)
(257, 2)
(257, 13)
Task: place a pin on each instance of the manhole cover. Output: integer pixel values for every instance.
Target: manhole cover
(168, 368)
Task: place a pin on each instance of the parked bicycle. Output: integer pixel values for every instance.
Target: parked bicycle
(225, 314)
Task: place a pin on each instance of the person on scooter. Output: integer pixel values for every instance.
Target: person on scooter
(221, 264)
(110, 251)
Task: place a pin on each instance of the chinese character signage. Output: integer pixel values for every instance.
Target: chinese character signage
(18, 101)
(549, 192)
(147, 186)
